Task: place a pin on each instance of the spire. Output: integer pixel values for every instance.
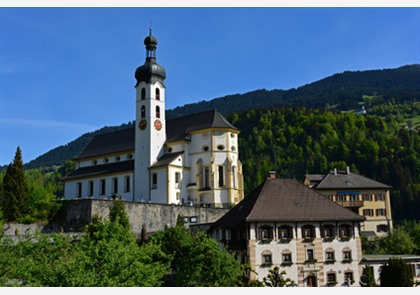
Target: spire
(151, 71)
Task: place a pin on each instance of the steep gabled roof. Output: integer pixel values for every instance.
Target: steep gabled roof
(285, 200)
(176, 129)
(345, 180)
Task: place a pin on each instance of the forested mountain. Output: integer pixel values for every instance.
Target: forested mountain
(343, 91)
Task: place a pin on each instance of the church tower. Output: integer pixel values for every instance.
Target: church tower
(150, 134)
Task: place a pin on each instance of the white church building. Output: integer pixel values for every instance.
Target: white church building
(189, 160)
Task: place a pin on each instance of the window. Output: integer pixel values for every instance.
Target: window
(90, 188)
(366, 197)
(115, 185)
(329, 256)
(154, 180)
(382, 228)
(348, 278)
(347, 255)
(143, 112)
(308, 232)
(331, 279)
(157, 112)
(328, 231)
(221, 176)
(379, 197)
(127, 184)
(380, 212)
(157, 93)
(285, 232)
(345, 231)
(220, 147)
(233, 148)
(78, 190)
(177, 179)
(367, 212)
(206, 180)
(117, 158)
(354, 198)
(106, 160)
(102, 190)
(205, 148)
(143, 93)
(310, 255)
(266, 233)
(266, 258)
(234, 176)
(286, 257)
(94, 162)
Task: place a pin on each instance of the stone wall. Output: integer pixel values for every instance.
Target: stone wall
(75, 214)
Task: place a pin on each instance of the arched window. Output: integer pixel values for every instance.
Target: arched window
(157, 93)
(157, 112)
(143, 111)
(143, 93)
(266, 258)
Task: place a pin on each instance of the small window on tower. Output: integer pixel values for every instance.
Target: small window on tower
(143, 93)
(143, 111)
(157, 112)
(157, 93)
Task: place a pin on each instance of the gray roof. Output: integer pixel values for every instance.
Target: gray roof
(384, 258)
(176, 129)
(344, 180)
(286, 200)
(123, 166)
(166, 159)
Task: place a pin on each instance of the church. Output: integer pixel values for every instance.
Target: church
(192, 160)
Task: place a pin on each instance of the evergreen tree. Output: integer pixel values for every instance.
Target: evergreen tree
(117, 214)
(396, 273)
(368, 278)
(15, 201)
(276, 278)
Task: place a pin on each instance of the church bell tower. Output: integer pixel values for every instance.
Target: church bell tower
(150, 129)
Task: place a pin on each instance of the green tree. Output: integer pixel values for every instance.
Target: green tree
(118, 214)
(396, 273)
(275, 278)
(368, 278)
(397, 242)
(15, 203)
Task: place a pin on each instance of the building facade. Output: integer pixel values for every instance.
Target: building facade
(286, 224)
(360, 194)
(189, 160)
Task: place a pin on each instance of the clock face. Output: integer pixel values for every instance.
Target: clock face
(158, 125)
(142, 124)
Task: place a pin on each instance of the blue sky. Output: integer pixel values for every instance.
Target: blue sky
(68, 71)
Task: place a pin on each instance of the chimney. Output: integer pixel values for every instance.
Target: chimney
(348, 170)
(335, 171)
(272, 174)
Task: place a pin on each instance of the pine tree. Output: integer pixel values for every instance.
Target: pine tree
(396, 273)
(15, 201)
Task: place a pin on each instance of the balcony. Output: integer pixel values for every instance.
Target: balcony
(350, 204)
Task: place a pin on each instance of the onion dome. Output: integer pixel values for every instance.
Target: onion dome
(151, 71)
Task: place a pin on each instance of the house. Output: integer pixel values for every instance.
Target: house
(287, 224)
(360, 194)
(377, 261)
(190, 160)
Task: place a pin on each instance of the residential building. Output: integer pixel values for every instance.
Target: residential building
(287, 224)
(360, 194)
(190, 160)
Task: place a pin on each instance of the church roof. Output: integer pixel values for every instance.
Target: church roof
(347, 180)
(95, 170)
(176, 129)
(285, 200)
(166, 159)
